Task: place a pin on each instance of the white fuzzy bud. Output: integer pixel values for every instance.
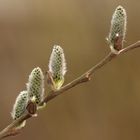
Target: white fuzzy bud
(35, 85)
(57, 66)
(118, 29)
(20, 105)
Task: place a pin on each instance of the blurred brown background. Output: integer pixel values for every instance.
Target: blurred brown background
(107, 107)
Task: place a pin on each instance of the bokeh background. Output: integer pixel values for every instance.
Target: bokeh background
(107, 107)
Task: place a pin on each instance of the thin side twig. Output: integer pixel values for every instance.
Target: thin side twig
(8, 131)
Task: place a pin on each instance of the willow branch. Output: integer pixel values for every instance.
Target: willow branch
(87, 75)
(10, 129)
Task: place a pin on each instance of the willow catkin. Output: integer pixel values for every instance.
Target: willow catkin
(35, 85)
(118, 28)
(19, 107)
(57, 66)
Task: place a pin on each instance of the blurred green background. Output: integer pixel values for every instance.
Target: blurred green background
(107, 107)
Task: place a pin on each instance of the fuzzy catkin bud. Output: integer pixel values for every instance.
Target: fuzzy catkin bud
(20, 105)
(35, 85)
(118, 29)
(57, 66)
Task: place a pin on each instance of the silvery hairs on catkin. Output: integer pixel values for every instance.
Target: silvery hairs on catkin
(118, 28)
(35, 85)
(57, 66)
(20, 105)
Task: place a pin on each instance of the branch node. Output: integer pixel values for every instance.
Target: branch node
(88, 76)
